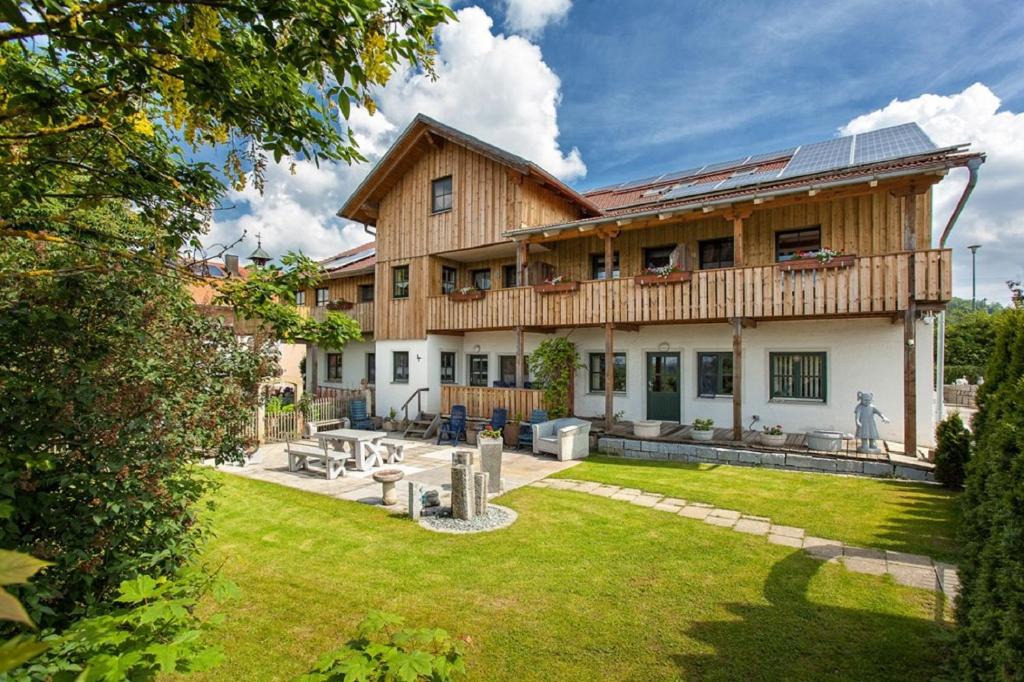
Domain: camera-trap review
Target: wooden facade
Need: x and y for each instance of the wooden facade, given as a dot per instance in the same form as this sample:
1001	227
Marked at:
481	400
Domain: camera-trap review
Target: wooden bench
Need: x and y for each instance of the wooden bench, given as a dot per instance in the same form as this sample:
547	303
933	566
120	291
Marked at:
302	454
322	425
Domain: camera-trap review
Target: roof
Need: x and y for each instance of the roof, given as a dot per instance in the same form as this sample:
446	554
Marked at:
879	154
259	254
204	291
358	260
418	138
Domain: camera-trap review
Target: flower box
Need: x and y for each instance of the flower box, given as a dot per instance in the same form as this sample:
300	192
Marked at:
815	264
466	295
339	305
651	280
559	288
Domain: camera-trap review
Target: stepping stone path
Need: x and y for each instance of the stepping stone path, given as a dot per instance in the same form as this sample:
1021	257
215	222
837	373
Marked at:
914	570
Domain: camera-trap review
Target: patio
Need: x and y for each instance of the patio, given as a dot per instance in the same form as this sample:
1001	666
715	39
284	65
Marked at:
424	462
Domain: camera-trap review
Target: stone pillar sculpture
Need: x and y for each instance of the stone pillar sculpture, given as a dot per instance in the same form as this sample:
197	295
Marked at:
480	492
463	503
415	500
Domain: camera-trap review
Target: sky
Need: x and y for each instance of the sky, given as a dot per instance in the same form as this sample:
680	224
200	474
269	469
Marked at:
598	92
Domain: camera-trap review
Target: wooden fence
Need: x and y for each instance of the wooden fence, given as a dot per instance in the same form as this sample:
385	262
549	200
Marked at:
960	395
281	426
480	400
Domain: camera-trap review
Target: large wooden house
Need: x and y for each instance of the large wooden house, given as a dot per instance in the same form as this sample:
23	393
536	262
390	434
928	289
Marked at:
777	285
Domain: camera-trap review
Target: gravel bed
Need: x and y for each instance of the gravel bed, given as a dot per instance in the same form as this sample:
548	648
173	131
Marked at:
496	517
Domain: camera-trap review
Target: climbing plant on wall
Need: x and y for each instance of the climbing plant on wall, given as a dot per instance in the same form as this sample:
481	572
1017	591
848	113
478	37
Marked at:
553	366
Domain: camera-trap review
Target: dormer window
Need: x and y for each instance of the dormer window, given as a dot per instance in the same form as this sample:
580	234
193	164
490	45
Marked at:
441	193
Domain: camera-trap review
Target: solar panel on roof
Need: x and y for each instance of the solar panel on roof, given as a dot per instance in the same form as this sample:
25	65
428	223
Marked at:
819	157
891	143
636	183
342	262
679	175
723	165
771	156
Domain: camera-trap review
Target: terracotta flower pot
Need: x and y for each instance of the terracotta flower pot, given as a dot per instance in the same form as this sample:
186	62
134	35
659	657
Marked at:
797	264
511	434
466	296
560	288
651	280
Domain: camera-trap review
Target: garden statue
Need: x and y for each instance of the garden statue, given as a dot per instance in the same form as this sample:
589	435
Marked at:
864	414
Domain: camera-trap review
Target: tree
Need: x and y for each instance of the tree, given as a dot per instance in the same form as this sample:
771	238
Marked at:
990	609
952	452
970	340
553	366
113	386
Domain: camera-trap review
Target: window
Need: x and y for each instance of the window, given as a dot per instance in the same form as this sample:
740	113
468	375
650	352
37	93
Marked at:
508	276
658	256
597	373
447	367
597	266
400	281
791	243
371	368
365	293
400	367
441	191
797	376
477	370
334	366
714	374
482	279
449	279
322	296
300	298
716	253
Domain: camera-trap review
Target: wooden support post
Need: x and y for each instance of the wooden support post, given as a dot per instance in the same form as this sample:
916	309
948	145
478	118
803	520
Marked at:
520	358
522	262
737	217
312	369
737	379
910	328
609	340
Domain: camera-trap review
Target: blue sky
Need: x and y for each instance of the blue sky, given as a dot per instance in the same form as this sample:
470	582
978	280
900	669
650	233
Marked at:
598	92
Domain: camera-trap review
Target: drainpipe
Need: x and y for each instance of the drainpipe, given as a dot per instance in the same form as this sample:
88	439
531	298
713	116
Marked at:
940	337
366	229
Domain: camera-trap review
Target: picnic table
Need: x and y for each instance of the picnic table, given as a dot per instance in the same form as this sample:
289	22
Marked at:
365	445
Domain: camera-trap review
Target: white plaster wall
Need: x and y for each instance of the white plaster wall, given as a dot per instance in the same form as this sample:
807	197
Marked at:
353	365
390	394
863	354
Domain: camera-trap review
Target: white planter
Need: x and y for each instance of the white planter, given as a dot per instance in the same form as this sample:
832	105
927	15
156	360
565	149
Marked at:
647	428
773	440
490	461
826	441
702	435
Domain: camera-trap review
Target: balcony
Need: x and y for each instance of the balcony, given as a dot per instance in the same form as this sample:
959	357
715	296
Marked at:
870	285
360	312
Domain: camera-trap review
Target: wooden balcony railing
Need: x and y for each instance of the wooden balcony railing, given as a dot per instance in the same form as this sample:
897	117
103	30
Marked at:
871	285
360	312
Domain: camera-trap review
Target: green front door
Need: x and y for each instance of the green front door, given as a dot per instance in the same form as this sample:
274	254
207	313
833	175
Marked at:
663	386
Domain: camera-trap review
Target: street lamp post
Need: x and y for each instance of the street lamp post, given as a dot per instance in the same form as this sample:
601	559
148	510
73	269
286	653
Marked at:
974	288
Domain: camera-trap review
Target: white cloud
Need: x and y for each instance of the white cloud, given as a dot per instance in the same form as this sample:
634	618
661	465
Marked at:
994	216
532	16
492	86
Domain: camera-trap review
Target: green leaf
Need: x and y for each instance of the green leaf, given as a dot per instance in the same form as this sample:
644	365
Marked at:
18	650
165	655
137	590
11	609
16	567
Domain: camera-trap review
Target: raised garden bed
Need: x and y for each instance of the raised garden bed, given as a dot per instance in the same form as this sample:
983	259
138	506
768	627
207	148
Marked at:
560	288
466	296
815	264
659	280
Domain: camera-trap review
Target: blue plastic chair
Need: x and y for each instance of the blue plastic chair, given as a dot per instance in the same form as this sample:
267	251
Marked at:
526	430
454	428
357	413
499	417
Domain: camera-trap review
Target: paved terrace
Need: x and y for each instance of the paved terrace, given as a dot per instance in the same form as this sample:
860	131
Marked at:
424	462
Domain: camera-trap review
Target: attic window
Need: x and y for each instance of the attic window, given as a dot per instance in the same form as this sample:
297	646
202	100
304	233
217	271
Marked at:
441	193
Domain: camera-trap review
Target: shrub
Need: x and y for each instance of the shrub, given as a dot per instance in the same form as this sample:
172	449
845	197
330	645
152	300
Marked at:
990	610
954	448
971	372
384	652
703	424
552	366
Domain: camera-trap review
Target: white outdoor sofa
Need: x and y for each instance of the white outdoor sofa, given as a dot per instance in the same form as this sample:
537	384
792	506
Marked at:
566	438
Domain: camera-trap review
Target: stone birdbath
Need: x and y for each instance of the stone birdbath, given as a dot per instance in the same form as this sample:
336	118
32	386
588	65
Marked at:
387	478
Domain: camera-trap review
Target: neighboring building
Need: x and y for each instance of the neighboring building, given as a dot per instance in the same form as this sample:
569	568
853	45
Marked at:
739	328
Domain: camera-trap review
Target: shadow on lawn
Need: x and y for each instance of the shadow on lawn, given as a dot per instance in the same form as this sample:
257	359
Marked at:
794	638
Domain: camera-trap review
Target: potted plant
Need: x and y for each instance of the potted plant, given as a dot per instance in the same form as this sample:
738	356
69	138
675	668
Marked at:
703	429
667	274
466	294
389	421
821	259
490	442
556	285
773	436
340	304
511	431
647	428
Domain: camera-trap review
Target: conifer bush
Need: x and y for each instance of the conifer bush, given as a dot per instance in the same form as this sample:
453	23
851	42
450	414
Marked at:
953	451
990	609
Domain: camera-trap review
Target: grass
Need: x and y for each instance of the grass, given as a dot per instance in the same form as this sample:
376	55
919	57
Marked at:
884	514
580	587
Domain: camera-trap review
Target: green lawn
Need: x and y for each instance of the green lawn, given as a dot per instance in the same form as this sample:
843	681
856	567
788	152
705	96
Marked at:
580	587
885	514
